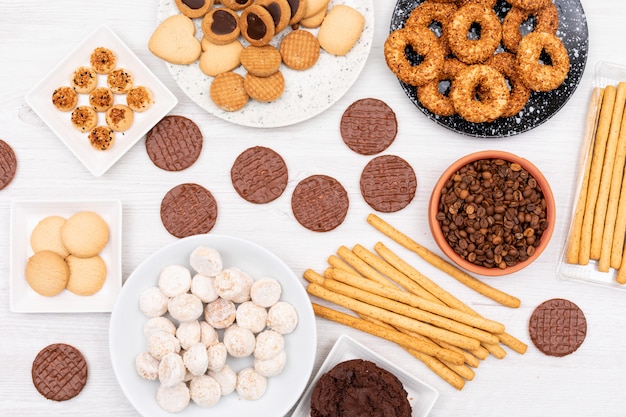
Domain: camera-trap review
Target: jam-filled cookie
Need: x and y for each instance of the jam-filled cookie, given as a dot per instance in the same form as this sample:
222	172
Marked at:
103	60
101	137
65	98
84	80
221	26
237	4
280	11
119	117
84	118
139	98
101	99
297	7
120	81
257	25
194	8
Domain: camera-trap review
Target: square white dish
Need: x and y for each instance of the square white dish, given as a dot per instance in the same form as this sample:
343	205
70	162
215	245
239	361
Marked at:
25	214
40	100
422	396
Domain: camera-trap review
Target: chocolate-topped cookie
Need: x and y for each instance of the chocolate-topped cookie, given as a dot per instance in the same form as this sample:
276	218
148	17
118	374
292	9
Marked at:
368	126
259	175
188	209
174	143
320	203
359	387
557	327
8	164
59	372
388	183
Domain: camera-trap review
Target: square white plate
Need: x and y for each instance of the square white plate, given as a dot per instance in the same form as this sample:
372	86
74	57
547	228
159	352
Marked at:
421	396
25	215
40	99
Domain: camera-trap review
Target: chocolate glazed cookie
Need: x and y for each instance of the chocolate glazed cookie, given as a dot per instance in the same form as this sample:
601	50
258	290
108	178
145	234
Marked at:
8	164
174	143
320	203
188	209
59	372
388	183
368	126
557	327
259	175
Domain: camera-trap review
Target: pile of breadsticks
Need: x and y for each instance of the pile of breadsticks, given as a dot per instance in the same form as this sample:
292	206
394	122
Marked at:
394	301
599	222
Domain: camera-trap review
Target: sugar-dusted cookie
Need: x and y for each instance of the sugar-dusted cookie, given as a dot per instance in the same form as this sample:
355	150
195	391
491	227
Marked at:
47	273
47	236
174	40
84	79
120	80
65	98
265	89
216	59
257	25
87	275
101	99
101	137
261	61
85	234
139	98
119	118
340	30
221	25
194	8
103	60
300	50
84	118
228	91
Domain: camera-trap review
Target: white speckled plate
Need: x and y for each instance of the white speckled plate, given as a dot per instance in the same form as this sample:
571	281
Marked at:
307	93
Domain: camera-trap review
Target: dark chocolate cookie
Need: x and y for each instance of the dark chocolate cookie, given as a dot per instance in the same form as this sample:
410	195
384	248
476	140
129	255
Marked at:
59	372
174	143
359	388
388	183
188	209
320	203
8	164
368	126
259	175
557	327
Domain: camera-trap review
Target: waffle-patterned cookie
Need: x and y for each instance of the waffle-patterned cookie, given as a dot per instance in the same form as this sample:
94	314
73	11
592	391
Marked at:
259	175
557	327
228	91
265	89
8	164
368	126
59	372
188	209
320	203
261	61
174	143
388	183
300	49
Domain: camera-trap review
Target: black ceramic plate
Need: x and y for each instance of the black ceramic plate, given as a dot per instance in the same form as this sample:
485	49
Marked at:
541	106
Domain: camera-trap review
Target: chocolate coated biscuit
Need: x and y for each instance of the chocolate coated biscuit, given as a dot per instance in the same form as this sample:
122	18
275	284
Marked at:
188	209
259	175
557	327
8	164
174	143
320	203
368	126
59	372
388	183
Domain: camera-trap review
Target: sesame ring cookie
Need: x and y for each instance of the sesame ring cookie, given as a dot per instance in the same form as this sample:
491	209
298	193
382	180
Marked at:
430	95
103	60
65	98
536	75
467	49
547	20
507	64
492	86
430	14
425	44
530	5
101	137
194	8
84	80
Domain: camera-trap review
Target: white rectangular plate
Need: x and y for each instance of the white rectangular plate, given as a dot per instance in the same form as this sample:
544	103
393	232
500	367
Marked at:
40	99
25	215
421	396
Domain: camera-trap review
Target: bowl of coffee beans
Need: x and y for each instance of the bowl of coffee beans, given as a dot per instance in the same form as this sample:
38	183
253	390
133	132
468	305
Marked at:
492	213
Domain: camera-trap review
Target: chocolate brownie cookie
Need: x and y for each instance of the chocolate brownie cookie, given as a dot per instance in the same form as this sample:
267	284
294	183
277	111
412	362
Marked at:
59	372
259	175
557	327
174	143
388	183
359	388
188	209
320	203
368	126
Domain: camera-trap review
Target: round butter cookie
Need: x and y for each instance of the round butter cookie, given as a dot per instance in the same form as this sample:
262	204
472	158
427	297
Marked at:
119	118
47	273
340	29
8	164
139	98
103	60
85	234
47	236
64	98
228	92
101	99
300	50
87	275
84	118
120	81
261	61
194	8
257	25
221	26
101	137
59	372
84	80
265	89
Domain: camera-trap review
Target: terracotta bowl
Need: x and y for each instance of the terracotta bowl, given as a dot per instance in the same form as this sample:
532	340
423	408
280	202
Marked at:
444	244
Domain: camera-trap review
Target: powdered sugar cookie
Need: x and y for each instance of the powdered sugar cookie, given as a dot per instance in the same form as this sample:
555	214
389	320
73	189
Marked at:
208	335
251	316
206	261
239	341
152	302
147	366
205	391
271	367
250	384
196	359
185	307
217	356
171	370
162	343
265	292
174	280
173	399
159	324
188	333
282	317
269	343
204	287
220	313
233	284
226	377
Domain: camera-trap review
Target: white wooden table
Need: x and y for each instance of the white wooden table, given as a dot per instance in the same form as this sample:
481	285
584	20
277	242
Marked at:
36	34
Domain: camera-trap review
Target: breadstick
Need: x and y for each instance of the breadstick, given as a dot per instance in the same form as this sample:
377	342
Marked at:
396	320
606	179
593	113
361	266
440	369
415	301
515	344
387	334
621	272
618	251
337	262
443	265
597	161
411	312
312	276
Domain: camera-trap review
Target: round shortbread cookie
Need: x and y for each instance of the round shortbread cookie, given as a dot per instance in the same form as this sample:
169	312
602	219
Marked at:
47	236
59	372
300	50
47	273
340	29
85	234
87	275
